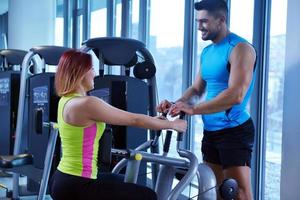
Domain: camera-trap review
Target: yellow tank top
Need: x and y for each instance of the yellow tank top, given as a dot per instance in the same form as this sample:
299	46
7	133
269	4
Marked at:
79	144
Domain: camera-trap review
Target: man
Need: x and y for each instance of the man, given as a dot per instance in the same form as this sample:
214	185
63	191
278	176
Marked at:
226	75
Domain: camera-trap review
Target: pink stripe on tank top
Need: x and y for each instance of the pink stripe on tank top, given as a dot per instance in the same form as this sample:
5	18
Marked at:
89	135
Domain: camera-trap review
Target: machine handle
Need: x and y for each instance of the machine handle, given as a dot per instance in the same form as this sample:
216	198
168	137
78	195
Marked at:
38	121
180	135
167	141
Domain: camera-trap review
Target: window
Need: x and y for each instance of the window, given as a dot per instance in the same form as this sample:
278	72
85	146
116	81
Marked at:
275	62
59	23
196	120
118	23
166	46
134	29
98	18
241	23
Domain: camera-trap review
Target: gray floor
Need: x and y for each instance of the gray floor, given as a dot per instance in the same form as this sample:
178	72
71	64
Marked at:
7	182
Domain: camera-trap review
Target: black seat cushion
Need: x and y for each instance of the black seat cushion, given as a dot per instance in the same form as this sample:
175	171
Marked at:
15	161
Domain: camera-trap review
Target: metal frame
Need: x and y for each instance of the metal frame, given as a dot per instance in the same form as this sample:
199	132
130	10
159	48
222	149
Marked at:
261	30
228	16
23	99
167	170
66	22
111	20
144	21
48	160
86	29
188	59
75	24
125	24
126	18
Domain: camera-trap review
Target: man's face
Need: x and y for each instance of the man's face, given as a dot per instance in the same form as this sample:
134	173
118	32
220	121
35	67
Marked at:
209	25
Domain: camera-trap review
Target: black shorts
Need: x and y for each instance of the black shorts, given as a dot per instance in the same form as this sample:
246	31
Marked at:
229	147
64	186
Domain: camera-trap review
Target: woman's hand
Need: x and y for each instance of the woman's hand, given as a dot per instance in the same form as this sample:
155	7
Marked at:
179	125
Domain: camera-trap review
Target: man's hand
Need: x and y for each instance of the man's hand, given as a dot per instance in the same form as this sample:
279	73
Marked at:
164	106
181	107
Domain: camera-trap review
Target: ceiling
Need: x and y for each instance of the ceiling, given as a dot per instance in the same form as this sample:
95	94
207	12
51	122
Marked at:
3	6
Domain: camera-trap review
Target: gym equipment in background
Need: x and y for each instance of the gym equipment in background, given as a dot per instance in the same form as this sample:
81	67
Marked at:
10	61
36	93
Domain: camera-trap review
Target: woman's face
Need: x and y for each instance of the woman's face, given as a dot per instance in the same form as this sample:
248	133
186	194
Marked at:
88	80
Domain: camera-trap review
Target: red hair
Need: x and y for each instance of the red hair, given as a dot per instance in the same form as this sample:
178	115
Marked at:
72	66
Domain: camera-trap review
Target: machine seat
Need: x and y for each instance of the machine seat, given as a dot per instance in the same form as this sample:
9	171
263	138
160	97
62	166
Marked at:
16	161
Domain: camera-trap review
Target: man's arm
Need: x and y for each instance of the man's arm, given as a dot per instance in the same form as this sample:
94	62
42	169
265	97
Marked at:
196	89
242	61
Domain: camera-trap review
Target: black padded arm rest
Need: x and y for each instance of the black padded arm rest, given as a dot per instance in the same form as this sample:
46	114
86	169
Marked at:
104	151
13	56
115	50
51	54
15	161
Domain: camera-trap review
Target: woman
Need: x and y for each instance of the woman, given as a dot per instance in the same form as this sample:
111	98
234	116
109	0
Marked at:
81	121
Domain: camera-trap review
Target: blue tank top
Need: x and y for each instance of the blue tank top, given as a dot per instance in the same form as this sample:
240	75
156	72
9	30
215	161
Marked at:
215	71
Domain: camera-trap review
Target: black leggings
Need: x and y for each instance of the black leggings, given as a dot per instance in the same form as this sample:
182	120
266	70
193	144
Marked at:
64	186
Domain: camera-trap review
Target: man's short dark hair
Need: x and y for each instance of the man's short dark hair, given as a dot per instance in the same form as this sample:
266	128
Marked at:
212	6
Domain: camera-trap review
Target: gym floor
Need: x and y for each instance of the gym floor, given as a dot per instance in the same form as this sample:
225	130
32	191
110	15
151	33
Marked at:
6	180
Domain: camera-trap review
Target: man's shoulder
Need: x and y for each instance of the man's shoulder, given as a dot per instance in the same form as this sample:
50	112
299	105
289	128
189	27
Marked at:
235	35
234	39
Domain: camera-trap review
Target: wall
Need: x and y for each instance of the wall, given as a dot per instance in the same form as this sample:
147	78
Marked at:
290	174
30	23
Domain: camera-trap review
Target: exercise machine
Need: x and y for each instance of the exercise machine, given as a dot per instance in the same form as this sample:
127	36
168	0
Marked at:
186	165
11	59
163	186
37	96
136	77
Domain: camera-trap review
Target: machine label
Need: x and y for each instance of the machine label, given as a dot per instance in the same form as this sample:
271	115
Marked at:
40	95
4	91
